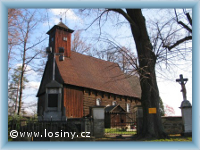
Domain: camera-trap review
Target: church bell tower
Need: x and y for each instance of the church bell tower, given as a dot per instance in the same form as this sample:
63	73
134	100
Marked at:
53	108
60	39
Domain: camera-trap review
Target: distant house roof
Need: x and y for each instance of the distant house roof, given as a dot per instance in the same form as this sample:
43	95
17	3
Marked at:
114	109
89	72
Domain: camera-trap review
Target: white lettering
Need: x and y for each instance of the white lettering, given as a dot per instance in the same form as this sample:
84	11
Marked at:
56	134
73	135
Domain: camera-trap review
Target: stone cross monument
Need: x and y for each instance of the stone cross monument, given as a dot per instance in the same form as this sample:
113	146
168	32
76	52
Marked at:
182	82
186	108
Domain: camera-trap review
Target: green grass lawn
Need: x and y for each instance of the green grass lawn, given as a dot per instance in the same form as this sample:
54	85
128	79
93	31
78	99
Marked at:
112	133
118	131
174	138
181	139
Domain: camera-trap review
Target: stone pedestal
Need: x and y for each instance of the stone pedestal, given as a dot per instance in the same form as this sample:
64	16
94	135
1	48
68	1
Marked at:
88	125
186	110
52	116
98	116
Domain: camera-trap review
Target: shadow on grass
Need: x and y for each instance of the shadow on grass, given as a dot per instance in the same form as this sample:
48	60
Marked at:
171	138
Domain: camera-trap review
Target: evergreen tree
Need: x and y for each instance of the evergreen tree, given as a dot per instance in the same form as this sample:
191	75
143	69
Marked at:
161	107
13	90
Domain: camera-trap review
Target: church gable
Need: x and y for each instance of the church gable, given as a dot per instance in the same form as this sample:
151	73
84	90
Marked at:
114	109
48	76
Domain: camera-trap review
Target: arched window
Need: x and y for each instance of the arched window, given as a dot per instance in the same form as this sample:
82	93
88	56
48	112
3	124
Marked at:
128	107
98	102
114	103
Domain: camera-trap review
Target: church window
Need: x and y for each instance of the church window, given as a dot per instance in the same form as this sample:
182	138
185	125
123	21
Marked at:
114	103
64	38
128	107
53	100
98	101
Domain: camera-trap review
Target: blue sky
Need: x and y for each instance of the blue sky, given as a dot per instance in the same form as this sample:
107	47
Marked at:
169	89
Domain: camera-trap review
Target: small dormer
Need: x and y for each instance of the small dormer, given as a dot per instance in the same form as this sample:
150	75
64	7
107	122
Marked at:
60	36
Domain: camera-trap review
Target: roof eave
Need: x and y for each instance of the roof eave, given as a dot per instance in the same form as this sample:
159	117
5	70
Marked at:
56	26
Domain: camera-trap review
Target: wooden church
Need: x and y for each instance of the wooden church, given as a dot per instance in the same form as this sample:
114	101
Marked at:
74	82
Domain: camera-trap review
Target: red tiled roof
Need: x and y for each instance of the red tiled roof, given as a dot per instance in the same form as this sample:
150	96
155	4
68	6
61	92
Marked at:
89	72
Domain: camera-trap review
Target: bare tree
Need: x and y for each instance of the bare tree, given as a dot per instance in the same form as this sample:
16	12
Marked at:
119	54
170	36
25	25
168	110
147	58
79	44
13	33
185	25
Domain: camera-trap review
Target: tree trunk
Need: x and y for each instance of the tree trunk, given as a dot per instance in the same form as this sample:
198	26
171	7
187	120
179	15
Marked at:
152	125
22	74
21	83
17	96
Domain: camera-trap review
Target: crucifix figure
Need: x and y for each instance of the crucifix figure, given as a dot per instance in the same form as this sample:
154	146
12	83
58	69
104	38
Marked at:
182	82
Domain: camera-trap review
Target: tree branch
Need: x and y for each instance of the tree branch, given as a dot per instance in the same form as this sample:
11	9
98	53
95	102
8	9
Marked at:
183	24
128	18
178	42
189	18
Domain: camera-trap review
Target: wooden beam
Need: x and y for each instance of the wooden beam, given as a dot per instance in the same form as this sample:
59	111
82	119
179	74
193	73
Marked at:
102	94
108	95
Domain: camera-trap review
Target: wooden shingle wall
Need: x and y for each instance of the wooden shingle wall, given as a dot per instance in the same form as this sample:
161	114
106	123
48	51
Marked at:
90	96
73	101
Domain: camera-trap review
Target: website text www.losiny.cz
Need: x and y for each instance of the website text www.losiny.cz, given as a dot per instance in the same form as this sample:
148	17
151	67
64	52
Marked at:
15	134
